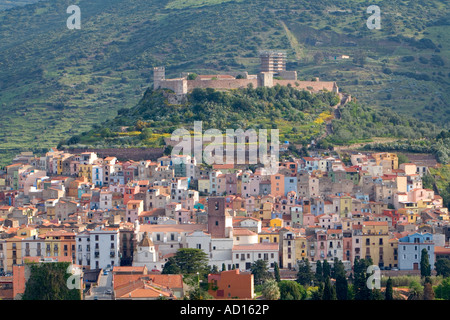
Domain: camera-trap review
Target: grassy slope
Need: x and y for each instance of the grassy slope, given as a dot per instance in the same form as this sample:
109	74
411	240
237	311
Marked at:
57	82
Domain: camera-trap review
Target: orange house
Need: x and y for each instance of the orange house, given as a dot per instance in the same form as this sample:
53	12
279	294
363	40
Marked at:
231	285
277	185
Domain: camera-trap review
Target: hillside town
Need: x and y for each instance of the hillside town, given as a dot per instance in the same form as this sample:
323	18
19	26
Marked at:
119	222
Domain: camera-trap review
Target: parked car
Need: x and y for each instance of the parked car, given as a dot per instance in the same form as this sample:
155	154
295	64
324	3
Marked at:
109	291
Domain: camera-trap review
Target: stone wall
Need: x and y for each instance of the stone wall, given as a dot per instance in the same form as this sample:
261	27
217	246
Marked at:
123	154
307	85
221	84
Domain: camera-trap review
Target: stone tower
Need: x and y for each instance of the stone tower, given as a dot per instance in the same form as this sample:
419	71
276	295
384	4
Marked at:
265	79
159	74
216	217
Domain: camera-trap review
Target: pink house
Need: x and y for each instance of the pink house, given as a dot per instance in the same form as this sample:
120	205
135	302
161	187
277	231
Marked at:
418	194
134	209
221	184
251	186
183	216
231	183
322	246
308	219
250	204
74	168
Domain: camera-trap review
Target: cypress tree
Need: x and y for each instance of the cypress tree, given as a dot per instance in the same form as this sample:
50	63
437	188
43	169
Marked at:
389	294
329	293
319	271
276	271
425	267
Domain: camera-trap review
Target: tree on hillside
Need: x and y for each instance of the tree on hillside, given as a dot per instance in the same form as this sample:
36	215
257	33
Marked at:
48	281
360	288
326	269
415	291
319	271
171	267
443	290
337	269
270	290
442	267
191	260
145	134
341	287
291	290
425	267
428	293
304	274
260	271
192	76
329	292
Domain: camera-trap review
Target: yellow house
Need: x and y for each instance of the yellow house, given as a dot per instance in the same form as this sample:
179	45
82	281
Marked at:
301	248
345	205
391	256
13	252
375	241
239	185
386	158
27	232
59	244
204	185
424	204
269	235
410	214
85	170
276	223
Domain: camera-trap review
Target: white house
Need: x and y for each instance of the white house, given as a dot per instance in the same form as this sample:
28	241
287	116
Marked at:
245	255
99	248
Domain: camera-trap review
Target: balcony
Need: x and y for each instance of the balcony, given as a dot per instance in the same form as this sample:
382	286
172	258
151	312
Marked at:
112	254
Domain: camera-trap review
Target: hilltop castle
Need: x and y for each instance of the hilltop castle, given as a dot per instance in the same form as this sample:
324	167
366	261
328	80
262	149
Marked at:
273	72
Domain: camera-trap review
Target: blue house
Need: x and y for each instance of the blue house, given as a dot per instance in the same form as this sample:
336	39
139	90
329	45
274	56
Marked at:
410	250
290	184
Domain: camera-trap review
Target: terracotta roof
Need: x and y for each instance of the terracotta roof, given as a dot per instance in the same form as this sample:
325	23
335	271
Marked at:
242	232
441	250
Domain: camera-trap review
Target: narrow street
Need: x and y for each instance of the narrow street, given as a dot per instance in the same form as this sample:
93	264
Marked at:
100	292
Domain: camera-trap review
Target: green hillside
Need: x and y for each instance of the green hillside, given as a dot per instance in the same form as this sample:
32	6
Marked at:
8	4
56	83
299	115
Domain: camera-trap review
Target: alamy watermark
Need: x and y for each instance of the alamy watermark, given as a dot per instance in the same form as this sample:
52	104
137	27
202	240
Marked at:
374	280
74	281
74	21
231	149
374	21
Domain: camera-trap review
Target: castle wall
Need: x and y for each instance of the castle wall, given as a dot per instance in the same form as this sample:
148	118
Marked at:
220	84
179	86
315	85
